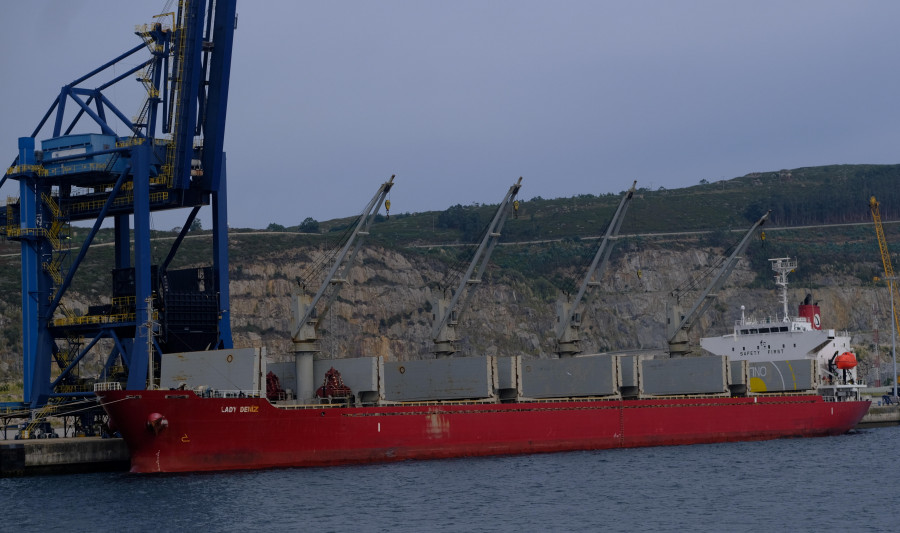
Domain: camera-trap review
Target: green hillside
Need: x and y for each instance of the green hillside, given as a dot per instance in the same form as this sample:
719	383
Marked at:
564	227
819	214
803	196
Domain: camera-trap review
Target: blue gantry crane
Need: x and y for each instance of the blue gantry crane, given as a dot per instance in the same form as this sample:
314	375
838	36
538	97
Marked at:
171	158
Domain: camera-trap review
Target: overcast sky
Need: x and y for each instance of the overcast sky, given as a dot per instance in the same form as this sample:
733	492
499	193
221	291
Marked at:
460	98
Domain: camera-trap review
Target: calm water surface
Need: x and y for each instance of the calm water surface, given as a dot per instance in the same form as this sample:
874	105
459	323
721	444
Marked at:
846	483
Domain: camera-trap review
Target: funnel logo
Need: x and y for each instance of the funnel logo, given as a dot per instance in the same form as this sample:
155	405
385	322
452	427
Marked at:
817	322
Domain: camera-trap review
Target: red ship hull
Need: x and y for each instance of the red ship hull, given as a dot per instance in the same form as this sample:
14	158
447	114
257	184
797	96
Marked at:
197	434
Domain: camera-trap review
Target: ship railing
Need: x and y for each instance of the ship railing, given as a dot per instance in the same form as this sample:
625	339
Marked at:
807	392
383	403
570	399
841	392
769	320
697	396
836	380
236	393
438	403
442	403
74	388
107	385
308	406
752	321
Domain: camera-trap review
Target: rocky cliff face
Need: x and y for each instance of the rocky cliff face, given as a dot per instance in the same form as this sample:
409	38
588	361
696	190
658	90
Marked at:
385	309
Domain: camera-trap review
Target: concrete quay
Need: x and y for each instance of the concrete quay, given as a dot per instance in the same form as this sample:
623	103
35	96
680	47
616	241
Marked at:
881	415
62	456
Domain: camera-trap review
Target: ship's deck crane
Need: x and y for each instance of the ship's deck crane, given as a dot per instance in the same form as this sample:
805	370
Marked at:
172	157
448	312
568	335
305	316
888	272
680	325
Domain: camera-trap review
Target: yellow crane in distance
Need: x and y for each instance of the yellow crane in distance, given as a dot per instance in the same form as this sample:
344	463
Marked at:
885	259
888	270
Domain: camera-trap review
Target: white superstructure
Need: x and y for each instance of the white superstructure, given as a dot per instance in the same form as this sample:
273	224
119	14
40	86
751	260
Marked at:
786	337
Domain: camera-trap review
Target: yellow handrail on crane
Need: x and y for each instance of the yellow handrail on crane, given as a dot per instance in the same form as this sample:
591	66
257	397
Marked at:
886	259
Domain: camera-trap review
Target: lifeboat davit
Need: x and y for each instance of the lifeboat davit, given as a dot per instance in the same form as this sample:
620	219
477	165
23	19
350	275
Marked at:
845	361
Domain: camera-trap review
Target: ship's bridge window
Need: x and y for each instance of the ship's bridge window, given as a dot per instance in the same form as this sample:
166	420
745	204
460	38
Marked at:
763	330
753	331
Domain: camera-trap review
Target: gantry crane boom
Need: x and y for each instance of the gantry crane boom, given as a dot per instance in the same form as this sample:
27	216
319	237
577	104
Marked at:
447	314
171	158
678	342
886	260
567	333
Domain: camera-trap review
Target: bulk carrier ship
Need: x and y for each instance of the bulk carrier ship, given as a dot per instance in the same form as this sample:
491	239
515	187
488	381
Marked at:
180	431
221	408
368	409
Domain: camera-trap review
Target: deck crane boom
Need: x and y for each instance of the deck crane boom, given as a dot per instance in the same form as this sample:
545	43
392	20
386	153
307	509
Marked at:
888	271
567	315
447	313
680	325
304	314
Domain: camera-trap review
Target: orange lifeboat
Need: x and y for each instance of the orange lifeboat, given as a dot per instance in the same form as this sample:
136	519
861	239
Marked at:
845	361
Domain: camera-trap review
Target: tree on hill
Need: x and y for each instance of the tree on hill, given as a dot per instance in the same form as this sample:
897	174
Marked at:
466	220
309	225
